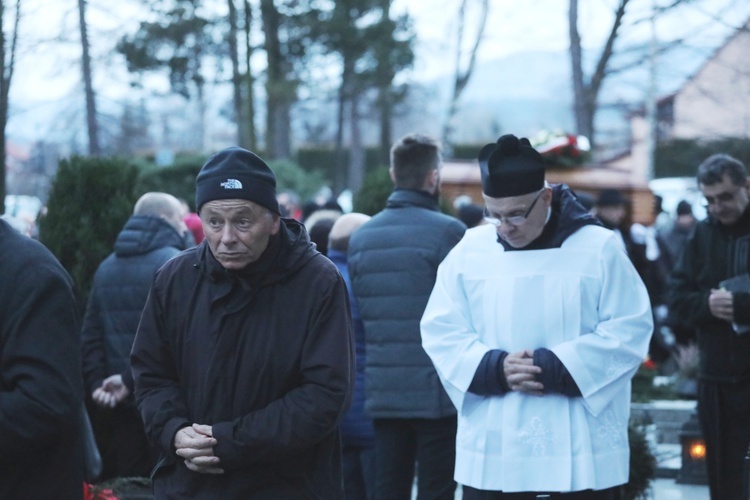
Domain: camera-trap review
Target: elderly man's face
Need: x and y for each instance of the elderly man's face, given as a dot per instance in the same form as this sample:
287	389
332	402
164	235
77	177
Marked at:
533	205
237	231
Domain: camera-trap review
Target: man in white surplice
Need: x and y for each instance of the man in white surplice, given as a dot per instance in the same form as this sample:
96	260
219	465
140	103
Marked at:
536	325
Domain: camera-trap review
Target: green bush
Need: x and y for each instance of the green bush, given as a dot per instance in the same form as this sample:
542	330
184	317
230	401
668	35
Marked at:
681	157
467	151
322	160
290	176
642	465
89	202
375	190
177	179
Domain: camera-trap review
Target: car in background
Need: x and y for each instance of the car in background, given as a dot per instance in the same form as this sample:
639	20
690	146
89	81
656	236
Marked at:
674	189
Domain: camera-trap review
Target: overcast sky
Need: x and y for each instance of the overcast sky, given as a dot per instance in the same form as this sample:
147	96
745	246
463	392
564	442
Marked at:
48	75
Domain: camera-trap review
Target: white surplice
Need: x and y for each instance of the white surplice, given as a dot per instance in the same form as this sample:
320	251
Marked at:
586	303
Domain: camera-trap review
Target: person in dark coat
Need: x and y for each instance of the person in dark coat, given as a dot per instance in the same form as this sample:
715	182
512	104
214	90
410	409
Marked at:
393	261
357	433
701	294
41	390
243	361
150	237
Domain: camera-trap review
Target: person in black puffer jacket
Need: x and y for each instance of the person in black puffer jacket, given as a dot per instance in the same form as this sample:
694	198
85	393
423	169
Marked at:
393	261
151	236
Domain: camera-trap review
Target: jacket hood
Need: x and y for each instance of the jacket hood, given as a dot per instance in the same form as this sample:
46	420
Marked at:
567	216
143	234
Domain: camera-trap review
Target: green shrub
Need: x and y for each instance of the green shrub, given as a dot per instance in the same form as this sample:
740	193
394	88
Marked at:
177	179
642	465
372	196
467	151
290	176
89	202
681	157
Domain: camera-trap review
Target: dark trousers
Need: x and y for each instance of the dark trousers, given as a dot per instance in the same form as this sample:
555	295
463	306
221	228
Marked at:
608	494
359	472
724	414
123	444
402	443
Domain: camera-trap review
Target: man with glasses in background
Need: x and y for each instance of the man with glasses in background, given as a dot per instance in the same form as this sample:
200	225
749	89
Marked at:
710	288
536	325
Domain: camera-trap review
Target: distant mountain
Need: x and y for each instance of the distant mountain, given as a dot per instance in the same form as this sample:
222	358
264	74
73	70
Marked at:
527	92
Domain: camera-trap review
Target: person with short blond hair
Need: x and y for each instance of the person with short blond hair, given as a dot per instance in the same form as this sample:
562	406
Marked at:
151	236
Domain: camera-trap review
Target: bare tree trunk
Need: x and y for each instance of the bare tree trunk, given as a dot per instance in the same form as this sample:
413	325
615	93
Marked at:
249	81
586	95
7	65
91	123
357	150
278	89
461	78
385	77
236	79
340	154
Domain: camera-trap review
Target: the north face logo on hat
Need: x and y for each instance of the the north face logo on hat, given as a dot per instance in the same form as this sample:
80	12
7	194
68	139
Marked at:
231	184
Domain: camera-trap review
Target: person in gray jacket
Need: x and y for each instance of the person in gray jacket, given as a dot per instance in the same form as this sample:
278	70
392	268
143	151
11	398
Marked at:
152	235
393	261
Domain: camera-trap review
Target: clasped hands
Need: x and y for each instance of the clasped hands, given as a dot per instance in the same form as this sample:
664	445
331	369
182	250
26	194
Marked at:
721	304
196	445
520	372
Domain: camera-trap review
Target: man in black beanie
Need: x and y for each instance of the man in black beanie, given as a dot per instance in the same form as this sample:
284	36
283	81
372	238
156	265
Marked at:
536	324
243	360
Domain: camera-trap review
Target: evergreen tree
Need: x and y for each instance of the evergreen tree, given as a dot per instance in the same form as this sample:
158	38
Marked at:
90	200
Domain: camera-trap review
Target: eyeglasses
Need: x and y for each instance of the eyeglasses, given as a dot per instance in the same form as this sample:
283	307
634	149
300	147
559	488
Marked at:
514	220
720	199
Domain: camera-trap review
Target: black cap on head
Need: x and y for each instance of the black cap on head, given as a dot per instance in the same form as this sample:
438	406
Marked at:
684	208
510	167
610	198
236	173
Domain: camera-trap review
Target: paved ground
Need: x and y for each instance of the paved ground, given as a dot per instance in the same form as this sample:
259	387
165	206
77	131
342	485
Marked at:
662	488
667	489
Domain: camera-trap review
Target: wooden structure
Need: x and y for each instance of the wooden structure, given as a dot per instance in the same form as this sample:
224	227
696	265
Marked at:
463	178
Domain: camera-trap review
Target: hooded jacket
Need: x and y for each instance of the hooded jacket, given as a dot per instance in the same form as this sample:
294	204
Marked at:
120	288
263	355
393	260
40	374
713	253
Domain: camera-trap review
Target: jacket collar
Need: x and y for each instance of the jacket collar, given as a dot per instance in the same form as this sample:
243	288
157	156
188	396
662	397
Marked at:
402	198
739	228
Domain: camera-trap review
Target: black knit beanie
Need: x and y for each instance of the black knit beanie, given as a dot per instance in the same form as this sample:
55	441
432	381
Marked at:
510	167
236	173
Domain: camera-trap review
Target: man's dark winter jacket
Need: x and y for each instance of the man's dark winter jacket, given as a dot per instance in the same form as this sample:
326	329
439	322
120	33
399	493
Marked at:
713	253
40	374
393	261
121	285
263	355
